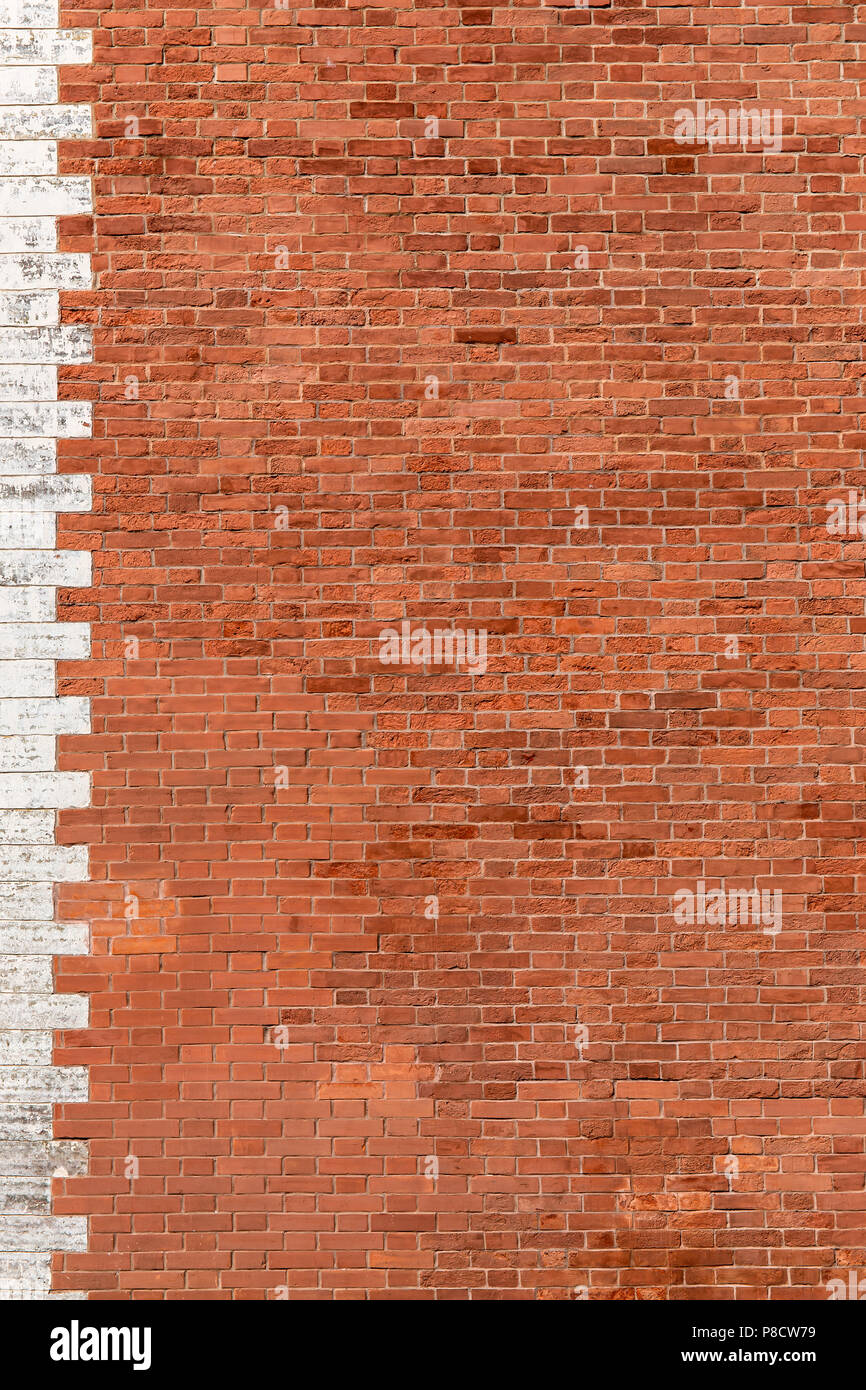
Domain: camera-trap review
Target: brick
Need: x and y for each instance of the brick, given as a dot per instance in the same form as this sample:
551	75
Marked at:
547	372
32	419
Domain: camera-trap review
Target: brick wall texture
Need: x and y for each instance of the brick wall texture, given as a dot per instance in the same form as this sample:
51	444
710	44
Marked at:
525	960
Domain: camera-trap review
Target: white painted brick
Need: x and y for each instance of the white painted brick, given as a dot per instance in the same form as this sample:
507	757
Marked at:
64	1011
25	530
45	46
43	1233
29	308
32	342
61	419
28	157
24	1272
26	975
33	901
60	789
38	122
26	753
58	863
25	1194
27	605
57	641
21	678
26	827
19	1046
46	270
44	197
31	1122
43	1159
34	86
70	714
44	939
28	233
41	14
27	455
27	383
69	569
58	1084
28	1295
63	492
68	343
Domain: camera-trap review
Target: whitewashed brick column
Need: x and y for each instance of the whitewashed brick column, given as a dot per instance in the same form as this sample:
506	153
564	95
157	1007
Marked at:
32	343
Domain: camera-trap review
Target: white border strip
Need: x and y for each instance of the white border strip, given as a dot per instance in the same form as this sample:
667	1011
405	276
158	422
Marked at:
32	343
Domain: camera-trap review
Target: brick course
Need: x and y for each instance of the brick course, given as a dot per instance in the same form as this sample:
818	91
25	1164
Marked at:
427	316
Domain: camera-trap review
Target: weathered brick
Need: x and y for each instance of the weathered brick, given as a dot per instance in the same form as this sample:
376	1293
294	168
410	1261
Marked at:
32	419
429	317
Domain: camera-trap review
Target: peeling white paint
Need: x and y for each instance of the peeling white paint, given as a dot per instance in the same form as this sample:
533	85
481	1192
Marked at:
32	342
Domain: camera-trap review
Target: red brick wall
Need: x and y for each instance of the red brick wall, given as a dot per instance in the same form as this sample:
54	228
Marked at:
398	415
